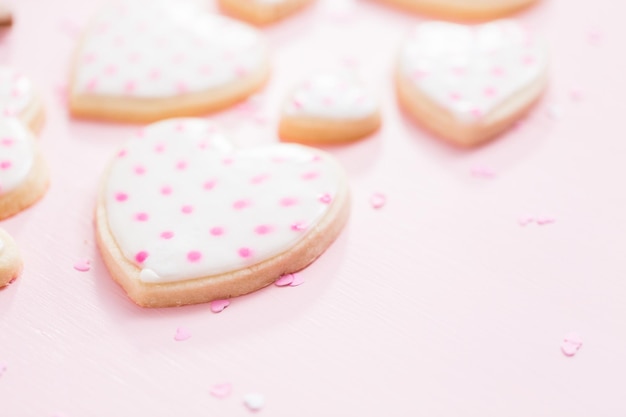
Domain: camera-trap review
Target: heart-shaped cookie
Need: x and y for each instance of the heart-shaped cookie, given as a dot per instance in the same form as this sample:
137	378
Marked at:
184	218
10	259
145	61
23	172
262	12
329	108
463	9
470	83
18	98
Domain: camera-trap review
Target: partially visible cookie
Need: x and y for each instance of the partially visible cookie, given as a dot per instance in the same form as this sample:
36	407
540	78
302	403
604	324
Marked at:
146	61
468	84
262	12
329	108
6	16
463	9
183	217
19	98
10	259
23	172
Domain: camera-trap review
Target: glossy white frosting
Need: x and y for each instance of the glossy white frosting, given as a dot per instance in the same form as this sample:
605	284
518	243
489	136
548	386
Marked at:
17	151
182	203
471	70
331	96
16	92
163	48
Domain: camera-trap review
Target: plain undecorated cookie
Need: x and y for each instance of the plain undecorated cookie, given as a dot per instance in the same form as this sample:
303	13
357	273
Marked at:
10	259
262	12
329	108
146	61
468	84
463	9
23	171
183	217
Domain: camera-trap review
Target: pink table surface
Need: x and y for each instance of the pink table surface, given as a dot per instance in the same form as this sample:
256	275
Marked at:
438	304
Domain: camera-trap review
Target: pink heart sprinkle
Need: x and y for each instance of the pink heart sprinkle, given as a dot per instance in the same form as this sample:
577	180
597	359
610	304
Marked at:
378	200
542	221
182	334
297	280
284	280
571	344
222	390
83	265
217	306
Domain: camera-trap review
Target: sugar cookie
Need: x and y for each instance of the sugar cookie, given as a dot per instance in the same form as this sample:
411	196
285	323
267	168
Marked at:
6	16
145	61
463	9
18	98
184	218
329	108
261	12
23	172
468	84
10	259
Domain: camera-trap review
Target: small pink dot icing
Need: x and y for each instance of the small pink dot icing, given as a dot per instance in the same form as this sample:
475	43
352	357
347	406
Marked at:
215	219
121	197
156	56
499	58
333	96
17	150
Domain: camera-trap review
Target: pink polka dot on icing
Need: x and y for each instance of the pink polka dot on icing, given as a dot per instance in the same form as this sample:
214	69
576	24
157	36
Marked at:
121	197
121	153
181	165
7	142
5	165
326	198
141	217
240	204
217	231
159	148
187	209
167	235
245	252
263	229
129	87
490	91
258	179
141	256
140	170
310	175
209	185
288	202
298	226
166	190
497	71
194	256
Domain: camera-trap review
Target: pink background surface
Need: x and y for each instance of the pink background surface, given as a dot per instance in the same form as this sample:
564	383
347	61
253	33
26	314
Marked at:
438	304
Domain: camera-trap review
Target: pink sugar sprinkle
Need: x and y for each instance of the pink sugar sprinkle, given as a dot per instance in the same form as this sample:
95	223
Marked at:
121	197
263	229
140	257
240	204
166	190
141	217
542	221
288	202
297	280
284	280
140	170
326	198
298	226
167	235
217	231
245	252
310	175
378	200
571	344
194	256
182	334
221	390
83	265
217	306
187	209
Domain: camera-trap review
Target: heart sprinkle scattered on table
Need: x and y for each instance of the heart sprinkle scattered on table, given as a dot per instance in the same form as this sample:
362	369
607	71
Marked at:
571	344
83	265
221	390
218	306
378	200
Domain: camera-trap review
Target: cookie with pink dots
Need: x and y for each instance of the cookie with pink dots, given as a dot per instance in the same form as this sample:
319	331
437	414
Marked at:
23	172
468	84
10	259
143	61
183	217
329	108
262	12
19	98
462	9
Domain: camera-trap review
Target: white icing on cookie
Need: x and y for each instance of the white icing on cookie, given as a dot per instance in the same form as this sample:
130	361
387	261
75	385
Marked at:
181	203
16	154
163	49
471	70
331	96
16	92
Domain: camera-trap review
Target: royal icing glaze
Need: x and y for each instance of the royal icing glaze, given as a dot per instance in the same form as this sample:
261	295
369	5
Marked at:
164	48
471	70
16	154
331	96
16	92
182	203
